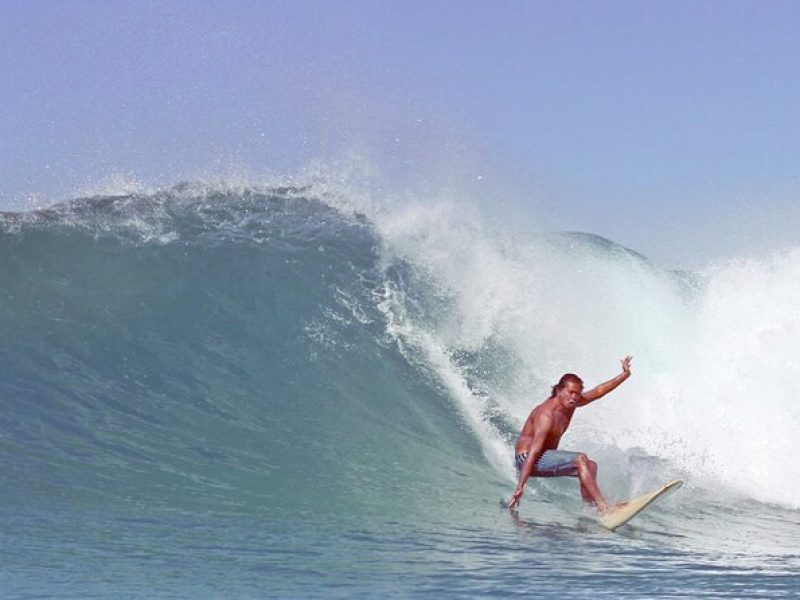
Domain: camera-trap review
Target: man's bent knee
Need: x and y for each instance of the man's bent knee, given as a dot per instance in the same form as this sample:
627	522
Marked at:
584	463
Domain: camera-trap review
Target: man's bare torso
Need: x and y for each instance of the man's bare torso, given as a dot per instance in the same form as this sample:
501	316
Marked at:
561	418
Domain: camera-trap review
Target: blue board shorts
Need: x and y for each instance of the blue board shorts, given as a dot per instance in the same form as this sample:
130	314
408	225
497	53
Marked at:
552	463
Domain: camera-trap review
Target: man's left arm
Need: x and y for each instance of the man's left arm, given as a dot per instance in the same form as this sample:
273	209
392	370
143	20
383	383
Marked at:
612	384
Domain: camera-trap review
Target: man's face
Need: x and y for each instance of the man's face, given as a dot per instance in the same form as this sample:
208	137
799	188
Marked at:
570	394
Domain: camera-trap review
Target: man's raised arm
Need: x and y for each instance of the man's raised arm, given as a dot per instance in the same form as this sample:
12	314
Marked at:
612	384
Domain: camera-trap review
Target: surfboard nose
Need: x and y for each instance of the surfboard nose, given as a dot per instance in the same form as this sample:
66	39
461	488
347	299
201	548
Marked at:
625	511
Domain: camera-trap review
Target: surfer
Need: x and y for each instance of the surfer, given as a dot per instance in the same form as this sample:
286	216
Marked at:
537	451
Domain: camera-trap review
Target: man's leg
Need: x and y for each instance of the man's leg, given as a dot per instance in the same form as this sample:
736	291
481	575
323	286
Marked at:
587	497
562	463
587	475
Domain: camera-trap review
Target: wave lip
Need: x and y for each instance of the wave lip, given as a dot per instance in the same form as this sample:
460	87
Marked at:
186	211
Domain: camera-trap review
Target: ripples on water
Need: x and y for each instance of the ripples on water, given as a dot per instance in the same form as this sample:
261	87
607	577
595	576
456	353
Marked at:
542	551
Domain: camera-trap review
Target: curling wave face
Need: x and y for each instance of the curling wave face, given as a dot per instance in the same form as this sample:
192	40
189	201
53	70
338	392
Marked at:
263	350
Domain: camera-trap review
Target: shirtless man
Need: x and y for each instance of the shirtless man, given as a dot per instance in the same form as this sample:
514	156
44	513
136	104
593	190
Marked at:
536	452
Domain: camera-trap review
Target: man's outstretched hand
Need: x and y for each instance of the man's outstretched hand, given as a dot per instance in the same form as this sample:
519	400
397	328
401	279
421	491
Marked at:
515	498
626	364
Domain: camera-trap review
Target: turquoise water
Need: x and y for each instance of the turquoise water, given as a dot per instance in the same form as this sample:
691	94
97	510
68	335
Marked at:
207	393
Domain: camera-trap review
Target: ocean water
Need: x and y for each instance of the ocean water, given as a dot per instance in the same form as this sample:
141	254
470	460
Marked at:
212	392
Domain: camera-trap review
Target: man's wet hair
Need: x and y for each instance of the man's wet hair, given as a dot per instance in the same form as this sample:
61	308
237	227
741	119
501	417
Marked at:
565	379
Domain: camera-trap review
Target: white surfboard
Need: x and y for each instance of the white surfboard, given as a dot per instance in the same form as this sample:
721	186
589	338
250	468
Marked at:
621	513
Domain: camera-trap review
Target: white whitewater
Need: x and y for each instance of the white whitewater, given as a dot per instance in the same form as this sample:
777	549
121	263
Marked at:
716	386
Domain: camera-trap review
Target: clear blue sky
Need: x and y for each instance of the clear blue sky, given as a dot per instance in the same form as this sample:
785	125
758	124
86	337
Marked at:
671	127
